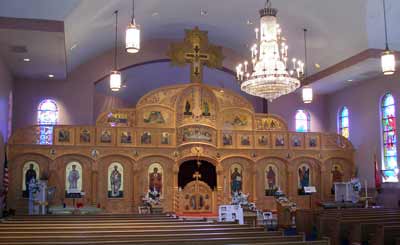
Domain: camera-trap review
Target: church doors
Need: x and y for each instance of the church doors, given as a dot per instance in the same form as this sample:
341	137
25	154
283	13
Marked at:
197	180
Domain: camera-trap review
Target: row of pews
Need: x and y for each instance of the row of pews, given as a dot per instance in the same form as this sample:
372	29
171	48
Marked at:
136	229
360	226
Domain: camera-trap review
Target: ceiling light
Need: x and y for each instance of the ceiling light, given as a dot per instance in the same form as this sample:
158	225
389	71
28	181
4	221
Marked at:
132	35
317	65
115	76
350	80
154	14
27	59
51	75
203	12
268	75
388	60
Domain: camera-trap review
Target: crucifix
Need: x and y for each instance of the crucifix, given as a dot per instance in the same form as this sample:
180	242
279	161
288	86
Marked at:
198	52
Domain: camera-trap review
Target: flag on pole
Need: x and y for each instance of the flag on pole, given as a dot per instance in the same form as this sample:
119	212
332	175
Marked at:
378	175
5	183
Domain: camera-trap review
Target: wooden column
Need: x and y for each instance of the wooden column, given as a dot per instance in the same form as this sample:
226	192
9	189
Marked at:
94	187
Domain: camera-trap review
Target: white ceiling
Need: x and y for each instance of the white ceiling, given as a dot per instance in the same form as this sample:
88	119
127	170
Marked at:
337	29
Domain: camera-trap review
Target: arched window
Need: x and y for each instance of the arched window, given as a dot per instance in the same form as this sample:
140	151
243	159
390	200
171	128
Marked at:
302	121
389	139
344	122
47	117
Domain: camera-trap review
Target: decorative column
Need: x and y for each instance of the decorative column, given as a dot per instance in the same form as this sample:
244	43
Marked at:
94	187
175	188
94	183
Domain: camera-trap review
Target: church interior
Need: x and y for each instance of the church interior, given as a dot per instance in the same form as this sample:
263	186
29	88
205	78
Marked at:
158	122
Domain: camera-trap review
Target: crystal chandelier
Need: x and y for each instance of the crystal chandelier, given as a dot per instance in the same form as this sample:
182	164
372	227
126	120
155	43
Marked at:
268	75
132	34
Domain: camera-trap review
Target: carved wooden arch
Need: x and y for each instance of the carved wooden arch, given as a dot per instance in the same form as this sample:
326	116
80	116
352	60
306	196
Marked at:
203	158
15	168
316	178
247	173
58	179
281	164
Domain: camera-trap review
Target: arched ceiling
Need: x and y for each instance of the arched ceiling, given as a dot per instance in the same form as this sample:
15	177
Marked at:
337	29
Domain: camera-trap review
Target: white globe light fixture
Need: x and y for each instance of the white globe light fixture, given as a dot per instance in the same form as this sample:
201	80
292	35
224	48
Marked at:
132	34
267	74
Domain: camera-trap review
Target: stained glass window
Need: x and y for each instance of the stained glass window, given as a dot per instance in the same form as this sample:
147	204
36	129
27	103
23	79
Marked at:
390	168
302	121
46	118
344	122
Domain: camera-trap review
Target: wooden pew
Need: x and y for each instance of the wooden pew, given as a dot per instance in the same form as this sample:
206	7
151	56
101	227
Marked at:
386	235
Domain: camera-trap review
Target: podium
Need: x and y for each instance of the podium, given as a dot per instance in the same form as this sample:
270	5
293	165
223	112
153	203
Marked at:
284	214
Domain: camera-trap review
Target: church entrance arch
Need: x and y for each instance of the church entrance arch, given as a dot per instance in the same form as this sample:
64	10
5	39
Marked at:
197	180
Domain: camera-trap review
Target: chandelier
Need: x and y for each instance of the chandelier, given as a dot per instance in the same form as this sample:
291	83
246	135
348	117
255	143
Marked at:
268	75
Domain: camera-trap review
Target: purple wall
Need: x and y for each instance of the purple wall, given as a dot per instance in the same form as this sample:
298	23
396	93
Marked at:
363	101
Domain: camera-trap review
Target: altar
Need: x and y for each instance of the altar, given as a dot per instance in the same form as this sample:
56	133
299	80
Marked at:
192	143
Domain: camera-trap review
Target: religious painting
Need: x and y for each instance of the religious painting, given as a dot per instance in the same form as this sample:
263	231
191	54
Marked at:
64	136
84	136
312	141
30	173
145	138
262	140
227	139
271	179
236	172
126	137
155	173
106	136
188	109
337	176
73	179
165	138
280	140
235	120
296	140
117	119
206	109
245	140
154	117
115	180
270	123
197	134
304	178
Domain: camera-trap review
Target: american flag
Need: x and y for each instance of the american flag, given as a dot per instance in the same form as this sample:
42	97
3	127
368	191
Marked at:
5	183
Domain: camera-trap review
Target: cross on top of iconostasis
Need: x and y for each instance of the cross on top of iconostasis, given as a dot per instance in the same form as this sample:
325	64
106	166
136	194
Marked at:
196	51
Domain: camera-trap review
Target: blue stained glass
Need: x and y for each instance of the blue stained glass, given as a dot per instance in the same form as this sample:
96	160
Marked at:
47	117
389	162
344	122
302	121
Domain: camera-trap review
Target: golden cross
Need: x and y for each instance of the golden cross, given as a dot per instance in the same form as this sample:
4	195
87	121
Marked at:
197	175
196	50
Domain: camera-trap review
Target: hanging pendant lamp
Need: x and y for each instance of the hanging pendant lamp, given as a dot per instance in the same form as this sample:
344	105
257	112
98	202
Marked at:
115	76
388	60
132	35
307	91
